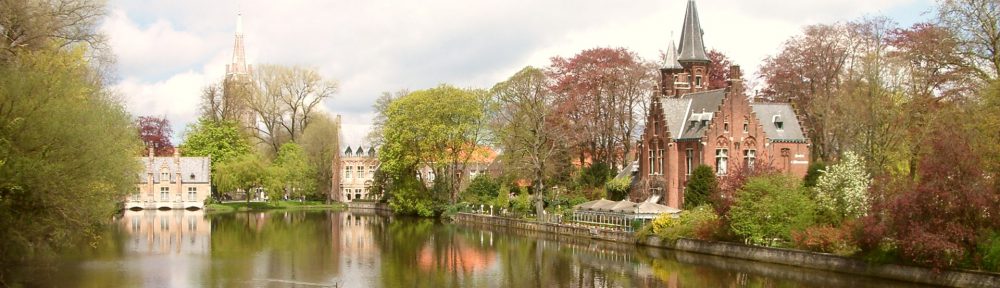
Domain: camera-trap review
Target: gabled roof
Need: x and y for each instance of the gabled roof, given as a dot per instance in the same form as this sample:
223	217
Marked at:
199	167
692	43
699	107
791	130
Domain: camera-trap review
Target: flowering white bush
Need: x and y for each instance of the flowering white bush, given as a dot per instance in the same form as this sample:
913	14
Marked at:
843	188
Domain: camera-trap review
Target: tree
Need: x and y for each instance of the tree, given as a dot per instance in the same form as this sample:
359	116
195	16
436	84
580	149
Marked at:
718	70
937	220
700	186
602	94
769	208
976	24
441	128
526	127
321	142
842	189
67	154
34	25
812	174
219	141
284	100
155	132
381	107
807	73
247	173
295	174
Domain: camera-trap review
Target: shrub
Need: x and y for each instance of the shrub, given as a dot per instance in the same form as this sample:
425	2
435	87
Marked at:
522	203
989	250
768	208
701	185
842	190
595	175
723	198
827	239
617	189
684	226
503	198
409	198
482	188
812	174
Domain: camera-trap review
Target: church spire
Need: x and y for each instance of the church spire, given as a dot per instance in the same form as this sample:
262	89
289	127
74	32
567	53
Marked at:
239	64
692	44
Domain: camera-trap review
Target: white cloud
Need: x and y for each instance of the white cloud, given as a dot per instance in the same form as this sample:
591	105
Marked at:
170	48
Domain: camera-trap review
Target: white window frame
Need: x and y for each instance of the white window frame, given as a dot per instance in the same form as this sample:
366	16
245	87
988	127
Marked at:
721	161
164	193
192	193
749	158
348	172
690	160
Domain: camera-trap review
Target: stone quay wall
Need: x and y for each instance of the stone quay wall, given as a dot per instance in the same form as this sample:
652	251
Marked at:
798	258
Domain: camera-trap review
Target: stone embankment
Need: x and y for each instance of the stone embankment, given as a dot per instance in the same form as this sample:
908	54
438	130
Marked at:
798	258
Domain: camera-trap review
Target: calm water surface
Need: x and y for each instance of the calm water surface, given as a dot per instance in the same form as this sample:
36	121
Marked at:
364	249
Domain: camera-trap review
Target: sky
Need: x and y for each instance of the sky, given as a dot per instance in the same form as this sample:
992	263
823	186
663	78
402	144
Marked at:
168	50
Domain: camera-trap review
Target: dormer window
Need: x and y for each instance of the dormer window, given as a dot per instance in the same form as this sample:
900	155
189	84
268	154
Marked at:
192	176
697	81
164	176
778	123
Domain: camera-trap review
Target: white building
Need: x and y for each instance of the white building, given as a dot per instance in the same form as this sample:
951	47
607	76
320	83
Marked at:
357	173
172	182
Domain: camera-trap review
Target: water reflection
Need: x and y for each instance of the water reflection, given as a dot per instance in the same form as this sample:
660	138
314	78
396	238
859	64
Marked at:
364	249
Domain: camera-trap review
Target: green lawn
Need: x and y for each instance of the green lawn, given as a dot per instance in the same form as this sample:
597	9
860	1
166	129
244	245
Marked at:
258	206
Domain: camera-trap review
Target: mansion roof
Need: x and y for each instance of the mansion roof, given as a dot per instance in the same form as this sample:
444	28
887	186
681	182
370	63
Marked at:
192	169
688	116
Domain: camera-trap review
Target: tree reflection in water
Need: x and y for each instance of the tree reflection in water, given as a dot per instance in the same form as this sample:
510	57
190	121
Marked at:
366	249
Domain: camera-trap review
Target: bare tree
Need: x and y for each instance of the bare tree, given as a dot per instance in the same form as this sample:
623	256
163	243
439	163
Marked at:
283	99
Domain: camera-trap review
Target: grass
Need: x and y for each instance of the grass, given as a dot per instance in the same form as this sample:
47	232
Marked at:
277	205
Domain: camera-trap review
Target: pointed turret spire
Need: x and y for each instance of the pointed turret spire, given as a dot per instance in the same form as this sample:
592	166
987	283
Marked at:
239	64
692	44
670	61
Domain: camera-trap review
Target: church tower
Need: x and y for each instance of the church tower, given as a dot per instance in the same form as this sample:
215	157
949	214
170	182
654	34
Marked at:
237	88
685	70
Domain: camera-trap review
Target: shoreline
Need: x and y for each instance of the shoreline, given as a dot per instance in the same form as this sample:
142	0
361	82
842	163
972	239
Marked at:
789	257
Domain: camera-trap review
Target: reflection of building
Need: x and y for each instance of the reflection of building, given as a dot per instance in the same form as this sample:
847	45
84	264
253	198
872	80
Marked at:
357	171
167	231
689	125
172	182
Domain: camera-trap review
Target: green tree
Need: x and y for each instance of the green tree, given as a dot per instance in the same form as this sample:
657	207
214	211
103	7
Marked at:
220	141
769	208
842	189
700	186
441	128
67	154
294	171
618	188
482	189
321	142
246	174
812	174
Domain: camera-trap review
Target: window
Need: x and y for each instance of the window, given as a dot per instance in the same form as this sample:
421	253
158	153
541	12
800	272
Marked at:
361	171
660	159
721	161
697	81
371	171
347	173
192	193
192	176
690	160
778	123
164	176
164	193
650	161
725	126
749	158
746	127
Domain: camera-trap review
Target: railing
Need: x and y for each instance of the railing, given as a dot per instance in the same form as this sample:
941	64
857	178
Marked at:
620	224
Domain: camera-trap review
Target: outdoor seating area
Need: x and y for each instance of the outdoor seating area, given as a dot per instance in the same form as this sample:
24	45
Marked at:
625	215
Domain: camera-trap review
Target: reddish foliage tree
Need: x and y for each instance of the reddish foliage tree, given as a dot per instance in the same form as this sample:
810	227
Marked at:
155	133
718	70
938	221
601	93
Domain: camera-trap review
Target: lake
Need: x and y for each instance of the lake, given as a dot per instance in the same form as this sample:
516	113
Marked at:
367	249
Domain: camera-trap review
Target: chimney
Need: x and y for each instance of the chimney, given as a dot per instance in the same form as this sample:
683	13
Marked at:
151	154
735	81
177	155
